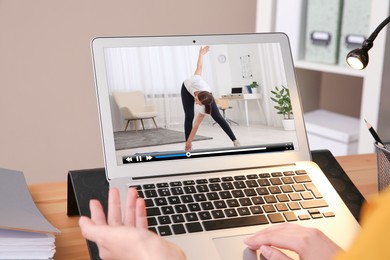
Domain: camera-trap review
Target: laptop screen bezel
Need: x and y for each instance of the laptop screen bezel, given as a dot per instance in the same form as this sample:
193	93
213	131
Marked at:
113	170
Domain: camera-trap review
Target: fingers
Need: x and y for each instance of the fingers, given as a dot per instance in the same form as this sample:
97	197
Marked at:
114	208
130	210
88	228
141	221
97	213
271	253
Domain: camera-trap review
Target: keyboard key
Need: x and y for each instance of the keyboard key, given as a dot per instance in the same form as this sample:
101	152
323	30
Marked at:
274	190
202	188
189	189
225	194
162	185
258	200
307	195
227	178
294	196
191	217
328	214
281	207
250	192
264	182
207	205
256	210
243	211
177	191
270	199
264	175
276	218
235	222
300	172
245	202
251	183
164	231
212	196
149	203
239	178
153	229
307	204
202	181
163	220
282	197
149	186
311	187
269	208
154	211
302	178
150	193
298	187
227	186
199	197
286	188
175	184
220	204
230	213
293	205
215	187
288	173
262	191
167	210
178	229
174	200
276	181
290	216
194	207
237	194
217	213
152	221
190	182
276	174
232	203
186	199
287	180
137	187
304	217
194	227
181	208
239	184
164	192
252	176
204	215
160	201
214	180
178	218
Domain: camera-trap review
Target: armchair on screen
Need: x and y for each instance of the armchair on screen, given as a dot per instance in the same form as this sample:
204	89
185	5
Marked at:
223	105
133	108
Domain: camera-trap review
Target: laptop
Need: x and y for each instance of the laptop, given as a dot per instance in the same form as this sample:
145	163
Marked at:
207	200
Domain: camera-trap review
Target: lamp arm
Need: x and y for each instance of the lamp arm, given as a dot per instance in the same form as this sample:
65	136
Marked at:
367	44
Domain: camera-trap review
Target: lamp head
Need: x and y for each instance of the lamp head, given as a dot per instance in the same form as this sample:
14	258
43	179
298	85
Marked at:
358	58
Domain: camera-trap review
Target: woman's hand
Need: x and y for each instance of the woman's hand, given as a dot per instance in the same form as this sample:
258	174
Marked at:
188	146
308	243
126	238
204	50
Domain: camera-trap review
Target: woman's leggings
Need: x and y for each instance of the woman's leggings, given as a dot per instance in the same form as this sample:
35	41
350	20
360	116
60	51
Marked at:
188	105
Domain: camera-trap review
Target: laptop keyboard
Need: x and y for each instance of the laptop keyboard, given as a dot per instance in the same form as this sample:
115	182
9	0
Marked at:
190	206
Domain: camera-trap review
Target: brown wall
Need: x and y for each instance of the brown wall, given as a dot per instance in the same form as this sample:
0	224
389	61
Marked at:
48	113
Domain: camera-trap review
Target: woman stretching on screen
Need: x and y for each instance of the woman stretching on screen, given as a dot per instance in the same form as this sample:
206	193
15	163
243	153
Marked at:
197	91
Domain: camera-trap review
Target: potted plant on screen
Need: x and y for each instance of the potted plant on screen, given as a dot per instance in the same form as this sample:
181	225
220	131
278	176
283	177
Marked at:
281	96
254	87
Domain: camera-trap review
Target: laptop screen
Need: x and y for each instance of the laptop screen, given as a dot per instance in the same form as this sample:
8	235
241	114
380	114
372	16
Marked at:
147	91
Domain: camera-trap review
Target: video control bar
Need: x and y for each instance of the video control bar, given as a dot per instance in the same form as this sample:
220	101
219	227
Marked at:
175	155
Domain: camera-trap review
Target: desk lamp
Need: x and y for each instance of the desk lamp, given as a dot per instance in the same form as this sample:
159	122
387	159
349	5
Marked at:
358	58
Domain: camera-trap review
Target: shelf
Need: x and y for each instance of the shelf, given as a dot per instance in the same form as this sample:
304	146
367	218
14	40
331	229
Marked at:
300	64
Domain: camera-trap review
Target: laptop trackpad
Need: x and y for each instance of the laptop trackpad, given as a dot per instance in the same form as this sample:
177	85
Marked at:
233	248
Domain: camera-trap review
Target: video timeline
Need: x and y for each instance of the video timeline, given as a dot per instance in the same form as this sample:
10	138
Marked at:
172	155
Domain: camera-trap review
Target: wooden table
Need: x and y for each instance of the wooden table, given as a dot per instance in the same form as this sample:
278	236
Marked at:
51	199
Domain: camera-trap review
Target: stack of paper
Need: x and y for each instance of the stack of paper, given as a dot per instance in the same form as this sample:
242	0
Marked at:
24	231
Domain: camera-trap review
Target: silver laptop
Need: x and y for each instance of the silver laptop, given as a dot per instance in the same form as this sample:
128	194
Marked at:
209	199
